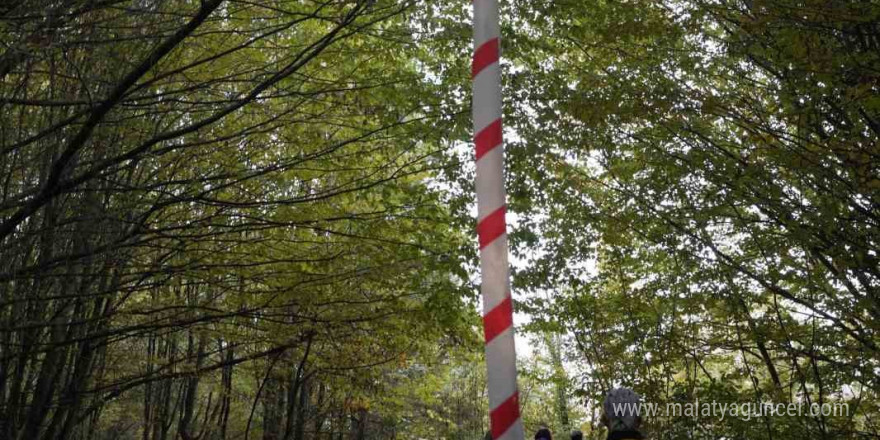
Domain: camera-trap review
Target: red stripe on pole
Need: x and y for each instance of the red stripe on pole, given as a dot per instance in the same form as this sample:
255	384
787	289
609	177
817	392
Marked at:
485	56
498	319
488	138
491	227
505	415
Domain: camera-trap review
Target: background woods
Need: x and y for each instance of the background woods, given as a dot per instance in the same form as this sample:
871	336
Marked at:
707	202
226	219
216	221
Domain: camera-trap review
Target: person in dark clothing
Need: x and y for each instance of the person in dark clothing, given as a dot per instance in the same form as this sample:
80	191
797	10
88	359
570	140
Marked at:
543	434
621	414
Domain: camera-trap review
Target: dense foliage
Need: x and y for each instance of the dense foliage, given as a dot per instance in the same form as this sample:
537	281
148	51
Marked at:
217	219
703	181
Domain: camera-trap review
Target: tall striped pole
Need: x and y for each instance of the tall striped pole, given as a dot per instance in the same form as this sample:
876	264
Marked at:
497	305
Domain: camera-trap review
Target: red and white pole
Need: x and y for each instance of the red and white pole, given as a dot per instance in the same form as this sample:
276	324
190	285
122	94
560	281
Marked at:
497	305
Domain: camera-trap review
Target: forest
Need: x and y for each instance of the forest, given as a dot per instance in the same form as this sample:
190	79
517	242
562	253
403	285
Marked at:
255	219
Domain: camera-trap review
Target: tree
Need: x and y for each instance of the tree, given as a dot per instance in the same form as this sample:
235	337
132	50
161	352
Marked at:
700	178
211	211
